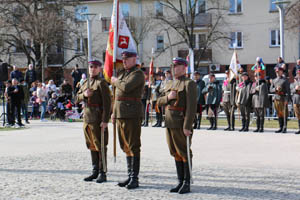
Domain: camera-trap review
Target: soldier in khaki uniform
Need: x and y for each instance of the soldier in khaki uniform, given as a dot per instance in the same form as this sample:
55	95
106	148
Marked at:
128	114
97	106
228	101
180	101
296	97
281	87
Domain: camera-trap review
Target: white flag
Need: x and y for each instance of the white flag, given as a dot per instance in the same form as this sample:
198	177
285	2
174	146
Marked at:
234	66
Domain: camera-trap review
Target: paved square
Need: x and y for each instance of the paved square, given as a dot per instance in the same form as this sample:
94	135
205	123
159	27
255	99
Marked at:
49	160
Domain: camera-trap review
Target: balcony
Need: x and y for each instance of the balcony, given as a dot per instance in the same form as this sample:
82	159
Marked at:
205	56
55	59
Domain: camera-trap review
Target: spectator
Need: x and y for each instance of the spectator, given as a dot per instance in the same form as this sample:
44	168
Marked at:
16	74
83	78
30	75
296	68
51	88
66	89
16	95
35	106
8	103
76	75
42	95
33	88
281	64
25	100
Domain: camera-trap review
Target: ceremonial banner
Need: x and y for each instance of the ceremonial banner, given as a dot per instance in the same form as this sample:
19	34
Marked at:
234	66
119	40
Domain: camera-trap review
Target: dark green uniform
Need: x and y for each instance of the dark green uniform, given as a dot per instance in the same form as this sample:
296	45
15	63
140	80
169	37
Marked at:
281	87
228	102
96	110
260	101
128	112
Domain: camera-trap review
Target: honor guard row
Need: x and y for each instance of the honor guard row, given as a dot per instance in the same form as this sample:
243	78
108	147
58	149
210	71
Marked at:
179	100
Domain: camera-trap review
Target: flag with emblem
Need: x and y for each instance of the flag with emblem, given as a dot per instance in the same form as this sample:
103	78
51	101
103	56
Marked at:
119	40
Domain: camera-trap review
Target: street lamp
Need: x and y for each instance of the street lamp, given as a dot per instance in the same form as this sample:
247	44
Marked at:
281	4
89	18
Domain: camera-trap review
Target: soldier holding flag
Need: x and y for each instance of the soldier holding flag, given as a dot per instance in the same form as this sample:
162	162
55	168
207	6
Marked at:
128	114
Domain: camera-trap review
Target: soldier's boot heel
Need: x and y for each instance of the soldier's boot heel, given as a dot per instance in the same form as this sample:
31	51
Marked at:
280	120
101	178
257	125
95	164
180	176
185	188
129	170
134	180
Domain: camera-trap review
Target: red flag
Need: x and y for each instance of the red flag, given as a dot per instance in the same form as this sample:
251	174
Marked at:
151	70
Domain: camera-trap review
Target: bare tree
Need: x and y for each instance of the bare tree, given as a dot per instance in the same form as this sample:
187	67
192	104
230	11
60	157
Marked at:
35	26
183	16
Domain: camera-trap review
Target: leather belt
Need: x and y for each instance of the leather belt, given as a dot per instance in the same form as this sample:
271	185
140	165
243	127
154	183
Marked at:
175	108
94	105
128	99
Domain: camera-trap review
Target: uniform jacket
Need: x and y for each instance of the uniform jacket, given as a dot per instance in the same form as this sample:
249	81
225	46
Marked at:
285	89
187	99
130	85
260	92
244	97
296	94
200	96
229	91
214	93
17	97
97	107
30	76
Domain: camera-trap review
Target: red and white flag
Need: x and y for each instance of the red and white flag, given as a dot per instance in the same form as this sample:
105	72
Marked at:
119	40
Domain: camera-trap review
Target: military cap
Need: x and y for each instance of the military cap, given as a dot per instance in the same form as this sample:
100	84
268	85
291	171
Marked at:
196	72
245	74
128	54
95	62
180	61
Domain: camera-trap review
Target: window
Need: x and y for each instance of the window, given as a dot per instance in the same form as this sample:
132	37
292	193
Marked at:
81	45
159	43
159	11
272	5
125	9
275	38
201	41
236	40
79	10
105	24
235	6
200	6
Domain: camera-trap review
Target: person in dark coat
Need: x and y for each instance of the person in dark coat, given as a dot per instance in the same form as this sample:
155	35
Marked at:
16	95
66	89
30	75
296	68
16	74
200	100
295	90
76	75
213	92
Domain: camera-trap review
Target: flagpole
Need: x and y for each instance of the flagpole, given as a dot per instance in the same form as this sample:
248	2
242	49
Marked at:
116	27
150	84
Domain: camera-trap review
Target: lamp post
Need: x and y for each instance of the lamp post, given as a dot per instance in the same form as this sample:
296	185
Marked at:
281	4
89	18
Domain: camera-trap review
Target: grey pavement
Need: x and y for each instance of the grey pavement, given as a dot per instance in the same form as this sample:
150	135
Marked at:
48	160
